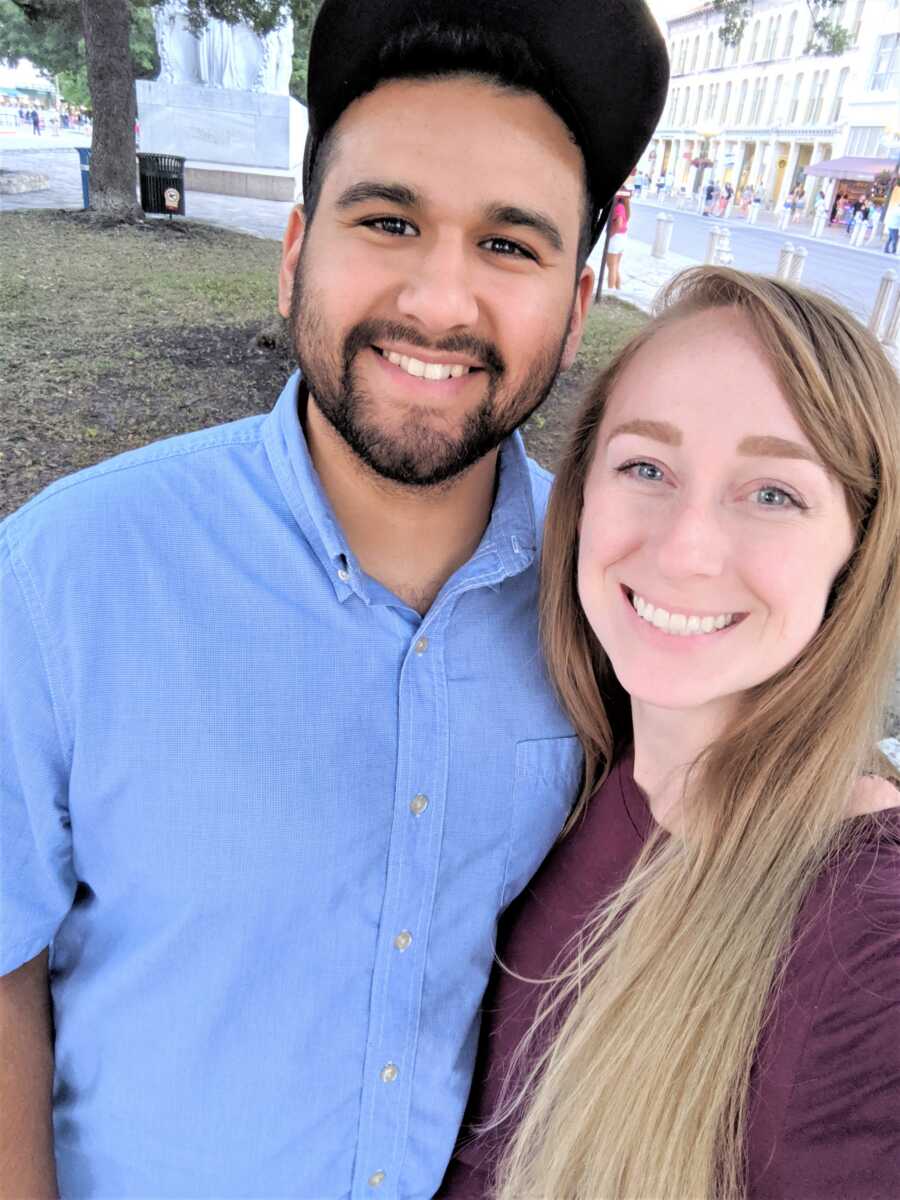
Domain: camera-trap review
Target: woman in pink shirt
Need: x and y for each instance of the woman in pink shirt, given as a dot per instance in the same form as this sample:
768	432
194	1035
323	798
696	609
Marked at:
700	997
618	233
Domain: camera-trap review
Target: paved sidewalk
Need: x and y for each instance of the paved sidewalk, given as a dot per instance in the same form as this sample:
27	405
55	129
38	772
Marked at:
800	230
642	274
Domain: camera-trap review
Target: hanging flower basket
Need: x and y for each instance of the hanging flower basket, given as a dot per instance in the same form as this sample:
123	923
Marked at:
702	163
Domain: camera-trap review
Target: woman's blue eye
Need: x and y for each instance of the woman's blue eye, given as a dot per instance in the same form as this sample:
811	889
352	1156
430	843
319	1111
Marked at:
642	470
775	497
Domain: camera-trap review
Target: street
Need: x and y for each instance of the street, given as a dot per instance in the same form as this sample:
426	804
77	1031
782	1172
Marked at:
847	274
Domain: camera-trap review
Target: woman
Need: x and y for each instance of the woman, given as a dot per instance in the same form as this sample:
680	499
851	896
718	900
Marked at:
618	231
701	995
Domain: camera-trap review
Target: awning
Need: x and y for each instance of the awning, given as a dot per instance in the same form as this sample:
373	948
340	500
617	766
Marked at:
852	168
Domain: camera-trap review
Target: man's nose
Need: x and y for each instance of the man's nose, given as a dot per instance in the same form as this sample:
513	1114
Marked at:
692	542
438	293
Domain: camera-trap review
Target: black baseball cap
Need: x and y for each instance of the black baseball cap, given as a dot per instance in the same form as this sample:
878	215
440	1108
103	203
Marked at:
602	66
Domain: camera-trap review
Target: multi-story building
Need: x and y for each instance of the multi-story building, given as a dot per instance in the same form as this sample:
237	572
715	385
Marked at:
766	110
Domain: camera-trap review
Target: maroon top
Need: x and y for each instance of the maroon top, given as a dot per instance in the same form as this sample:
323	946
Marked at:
824	1119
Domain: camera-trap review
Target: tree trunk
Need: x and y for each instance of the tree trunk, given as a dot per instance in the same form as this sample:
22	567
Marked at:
111	82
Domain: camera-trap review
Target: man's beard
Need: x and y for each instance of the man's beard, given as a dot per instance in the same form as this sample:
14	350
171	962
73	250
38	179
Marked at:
417	454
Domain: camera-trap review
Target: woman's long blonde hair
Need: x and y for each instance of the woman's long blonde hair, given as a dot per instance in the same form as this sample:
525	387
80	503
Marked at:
642	1094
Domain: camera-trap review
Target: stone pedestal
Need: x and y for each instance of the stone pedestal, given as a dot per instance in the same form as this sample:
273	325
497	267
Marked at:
253	139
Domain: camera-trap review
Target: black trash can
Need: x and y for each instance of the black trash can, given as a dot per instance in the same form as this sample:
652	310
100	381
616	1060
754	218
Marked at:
162	183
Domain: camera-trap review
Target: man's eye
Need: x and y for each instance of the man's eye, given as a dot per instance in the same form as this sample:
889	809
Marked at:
395	226
642	470
501	245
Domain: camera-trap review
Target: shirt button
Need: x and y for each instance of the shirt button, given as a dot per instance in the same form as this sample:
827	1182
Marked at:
418	804
343	575
403	940
376	1179
421	645
389	1073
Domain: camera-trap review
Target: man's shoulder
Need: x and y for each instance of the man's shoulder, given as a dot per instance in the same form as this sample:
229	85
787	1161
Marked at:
145	480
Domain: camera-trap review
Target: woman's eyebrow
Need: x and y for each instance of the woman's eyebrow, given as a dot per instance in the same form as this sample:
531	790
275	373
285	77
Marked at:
776	447
660	431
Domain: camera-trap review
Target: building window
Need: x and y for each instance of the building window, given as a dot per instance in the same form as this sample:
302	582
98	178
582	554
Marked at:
759	98
819	98
720	53
742	100
886	67
776	96
694	53
683	56
684	106
795	100
698	104
857	21
866	141
754	42
707	61
789	38
811	100
725	104
839	97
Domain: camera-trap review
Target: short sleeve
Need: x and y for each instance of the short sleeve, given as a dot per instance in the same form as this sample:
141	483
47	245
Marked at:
841	1139
37	881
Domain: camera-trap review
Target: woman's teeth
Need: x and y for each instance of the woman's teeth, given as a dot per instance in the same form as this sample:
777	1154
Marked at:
678	623
423	370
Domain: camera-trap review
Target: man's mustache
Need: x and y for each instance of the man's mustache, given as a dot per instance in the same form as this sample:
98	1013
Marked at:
370	332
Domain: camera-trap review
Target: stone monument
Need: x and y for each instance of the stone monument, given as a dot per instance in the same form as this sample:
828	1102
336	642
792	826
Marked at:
221	101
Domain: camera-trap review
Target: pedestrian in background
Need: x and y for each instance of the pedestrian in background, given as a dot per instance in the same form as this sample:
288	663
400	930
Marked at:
892	225
618	233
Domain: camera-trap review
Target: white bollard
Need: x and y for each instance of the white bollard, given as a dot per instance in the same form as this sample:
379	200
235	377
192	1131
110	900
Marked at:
818	225
885	294
798	262
891	332
785	258
724	257
753	215
729	208
663	237
785	218
859	232
712	245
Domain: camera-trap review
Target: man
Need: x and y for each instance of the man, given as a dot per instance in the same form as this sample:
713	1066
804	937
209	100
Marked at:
278	743
892	225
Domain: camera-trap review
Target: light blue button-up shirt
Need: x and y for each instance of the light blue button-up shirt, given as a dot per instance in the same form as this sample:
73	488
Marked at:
265	815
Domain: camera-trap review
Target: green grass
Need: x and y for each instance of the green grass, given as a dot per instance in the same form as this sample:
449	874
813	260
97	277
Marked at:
113	337
609	326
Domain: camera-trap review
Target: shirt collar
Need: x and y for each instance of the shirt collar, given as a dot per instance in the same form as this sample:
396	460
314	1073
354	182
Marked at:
511	532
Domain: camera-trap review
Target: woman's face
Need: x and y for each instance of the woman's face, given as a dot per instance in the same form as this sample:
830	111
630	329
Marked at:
711	532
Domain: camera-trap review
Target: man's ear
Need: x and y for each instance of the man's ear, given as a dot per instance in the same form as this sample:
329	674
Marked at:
290	252
584	293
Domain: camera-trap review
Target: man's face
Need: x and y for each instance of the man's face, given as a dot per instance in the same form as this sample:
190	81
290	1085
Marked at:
434	296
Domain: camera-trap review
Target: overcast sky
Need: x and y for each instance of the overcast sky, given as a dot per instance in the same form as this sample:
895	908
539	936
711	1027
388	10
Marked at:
664	10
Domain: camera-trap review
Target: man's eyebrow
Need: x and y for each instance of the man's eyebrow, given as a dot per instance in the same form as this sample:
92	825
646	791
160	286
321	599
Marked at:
529	218
660	431
373	189
776	447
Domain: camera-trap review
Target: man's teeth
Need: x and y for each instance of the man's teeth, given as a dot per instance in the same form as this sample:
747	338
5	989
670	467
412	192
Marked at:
678	623
423	370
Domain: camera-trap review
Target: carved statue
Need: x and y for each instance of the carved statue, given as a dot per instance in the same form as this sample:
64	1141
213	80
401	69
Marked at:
223	55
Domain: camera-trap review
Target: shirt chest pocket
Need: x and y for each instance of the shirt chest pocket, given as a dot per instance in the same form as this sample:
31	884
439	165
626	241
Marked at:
548	775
